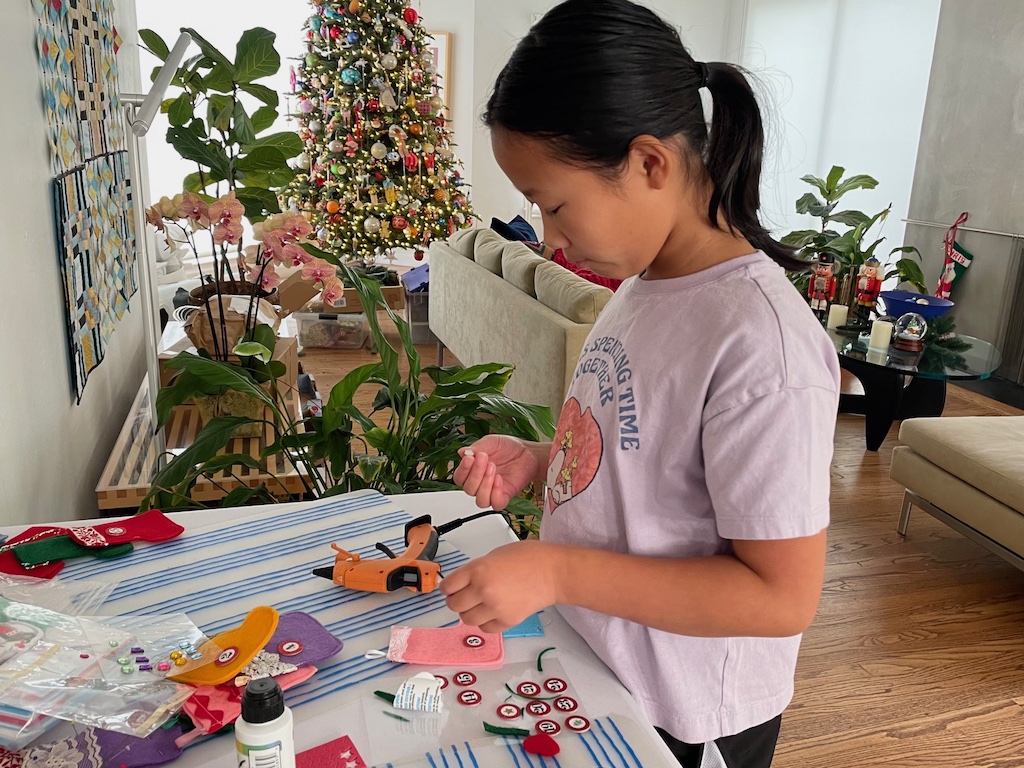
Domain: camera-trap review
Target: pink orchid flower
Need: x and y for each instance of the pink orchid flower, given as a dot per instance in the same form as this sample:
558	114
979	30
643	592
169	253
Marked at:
270	278
333	290
273	246
298	226
296	255
195	209
319	271
227	214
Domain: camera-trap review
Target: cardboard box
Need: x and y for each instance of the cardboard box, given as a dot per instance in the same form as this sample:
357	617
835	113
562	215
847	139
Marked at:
293	293
349	302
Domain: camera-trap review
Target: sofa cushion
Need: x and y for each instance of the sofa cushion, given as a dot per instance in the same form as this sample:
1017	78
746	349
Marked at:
487	250
984	451
518	265
464	241
568	294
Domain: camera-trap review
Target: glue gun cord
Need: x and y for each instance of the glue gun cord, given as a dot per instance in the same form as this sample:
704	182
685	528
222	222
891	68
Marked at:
451	526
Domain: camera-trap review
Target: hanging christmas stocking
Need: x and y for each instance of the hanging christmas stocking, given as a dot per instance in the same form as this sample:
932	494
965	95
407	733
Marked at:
957	260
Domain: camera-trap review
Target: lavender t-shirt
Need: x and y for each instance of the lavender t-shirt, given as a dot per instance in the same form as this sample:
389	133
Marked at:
702	410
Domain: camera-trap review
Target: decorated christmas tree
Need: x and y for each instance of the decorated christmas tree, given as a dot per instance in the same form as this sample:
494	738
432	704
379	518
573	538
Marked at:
378	171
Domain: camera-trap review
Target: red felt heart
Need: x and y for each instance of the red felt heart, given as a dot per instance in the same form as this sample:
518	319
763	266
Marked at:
541	744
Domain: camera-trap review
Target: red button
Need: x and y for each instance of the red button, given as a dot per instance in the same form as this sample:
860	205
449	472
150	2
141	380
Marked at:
473	641
538	708
226	656
443	679
577	724
565	704
509	712
465	678
528	689
469	698
550	727
289	648
555	685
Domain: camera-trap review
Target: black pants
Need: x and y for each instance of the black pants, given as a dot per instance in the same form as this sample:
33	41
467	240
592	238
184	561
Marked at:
753	748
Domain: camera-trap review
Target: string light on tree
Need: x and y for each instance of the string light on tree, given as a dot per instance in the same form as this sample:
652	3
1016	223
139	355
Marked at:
378	171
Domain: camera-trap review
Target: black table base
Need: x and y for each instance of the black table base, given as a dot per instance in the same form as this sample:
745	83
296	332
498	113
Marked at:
887	397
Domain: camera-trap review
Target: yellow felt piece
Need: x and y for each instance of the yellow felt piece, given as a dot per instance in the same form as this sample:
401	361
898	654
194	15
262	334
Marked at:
226	654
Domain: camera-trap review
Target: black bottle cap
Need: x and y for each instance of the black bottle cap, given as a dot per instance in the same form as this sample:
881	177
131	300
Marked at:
262	701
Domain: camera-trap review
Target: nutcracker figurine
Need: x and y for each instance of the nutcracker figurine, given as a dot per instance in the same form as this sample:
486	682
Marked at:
821	288
868	286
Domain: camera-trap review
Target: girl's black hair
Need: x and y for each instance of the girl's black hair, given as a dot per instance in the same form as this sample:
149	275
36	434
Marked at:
592	75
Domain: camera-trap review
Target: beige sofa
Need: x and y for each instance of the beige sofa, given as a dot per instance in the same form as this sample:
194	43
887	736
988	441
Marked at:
493	300
967	471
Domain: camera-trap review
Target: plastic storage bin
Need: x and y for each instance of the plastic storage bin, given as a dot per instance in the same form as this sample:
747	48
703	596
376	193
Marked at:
330	331
417	314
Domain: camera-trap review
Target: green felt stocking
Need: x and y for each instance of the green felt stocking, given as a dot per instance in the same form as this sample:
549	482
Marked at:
63	548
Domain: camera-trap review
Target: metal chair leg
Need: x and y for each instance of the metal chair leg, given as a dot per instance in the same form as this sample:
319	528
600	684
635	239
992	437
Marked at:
440	354
901	528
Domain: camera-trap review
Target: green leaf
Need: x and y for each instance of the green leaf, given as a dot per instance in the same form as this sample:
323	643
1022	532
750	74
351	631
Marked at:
242	131
339	404
799	238
217	373
262	159
207	443
255	56
833	178
287	142
267	95
191	144
263	118
219	79
809	203
180	110
855	182
154	44
197	182
210	51
817	183
850	218
219	109
267	179
253	349
258	202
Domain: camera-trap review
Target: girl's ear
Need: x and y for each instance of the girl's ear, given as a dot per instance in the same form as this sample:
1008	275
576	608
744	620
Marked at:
653	160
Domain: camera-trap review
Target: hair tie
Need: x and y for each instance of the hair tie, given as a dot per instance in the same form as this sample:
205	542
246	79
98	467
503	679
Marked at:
703	71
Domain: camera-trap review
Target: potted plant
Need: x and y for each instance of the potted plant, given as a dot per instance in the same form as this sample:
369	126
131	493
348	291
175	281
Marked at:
847	247
344	449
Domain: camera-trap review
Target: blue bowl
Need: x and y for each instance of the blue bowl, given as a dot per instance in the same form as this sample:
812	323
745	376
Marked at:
898	303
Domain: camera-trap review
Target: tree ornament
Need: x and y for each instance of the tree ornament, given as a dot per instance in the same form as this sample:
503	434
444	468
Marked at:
399	222
417	76
325	79
379	151
353	7
333	206
371	224
419	254
337	146
373	105
393	156
316	126
425	108
410	15
352	37
310	60
350	76
415	129
414	231
302	162
389	61
306	106
436	102
411	162
440	195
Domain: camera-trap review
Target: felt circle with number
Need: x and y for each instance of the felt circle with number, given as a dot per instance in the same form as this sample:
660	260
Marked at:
509	712
555	685
469	698
474	641
565	704
226	656
443	680
528	689
465	678
538	708
550	727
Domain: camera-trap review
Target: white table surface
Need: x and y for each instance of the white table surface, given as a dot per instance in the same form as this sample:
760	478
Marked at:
594	683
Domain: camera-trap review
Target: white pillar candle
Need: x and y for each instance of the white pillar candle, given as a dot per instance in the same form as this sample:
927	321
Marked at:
881	334
837	314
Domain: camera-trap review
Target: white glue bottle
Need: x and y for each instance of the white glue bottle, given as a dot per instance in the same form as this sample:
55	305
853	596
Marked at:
263	732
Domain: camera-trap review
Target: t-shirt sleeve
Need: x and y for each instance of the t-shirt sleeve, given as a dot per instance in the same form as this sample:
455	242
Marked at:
767	464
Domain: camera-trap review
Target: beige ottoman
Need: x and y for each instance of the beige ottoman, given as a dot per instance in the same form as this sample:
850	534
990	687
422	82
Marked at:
967	471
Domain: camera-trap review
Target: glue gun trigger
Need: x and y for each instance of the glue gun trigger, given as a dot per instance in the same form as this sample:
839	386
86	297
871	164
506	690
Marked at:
381	546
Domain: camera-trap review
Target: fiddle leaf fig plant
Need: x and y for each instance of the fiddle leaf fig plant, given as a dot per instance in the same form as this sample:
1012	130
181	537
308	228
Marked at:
408	441
847	246
211	125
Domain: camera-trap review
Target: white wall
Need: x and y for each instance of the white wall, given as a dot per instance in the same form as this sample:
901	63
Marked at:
52	451
848	80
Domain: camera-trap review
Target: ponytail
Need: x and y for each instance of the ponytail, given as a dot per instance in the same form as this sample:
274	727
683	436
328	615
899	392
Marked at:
592	75
735	150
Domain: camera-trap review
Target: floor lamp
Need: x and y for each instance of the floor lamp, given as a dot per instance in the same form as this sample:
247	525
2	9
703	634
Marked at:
139	110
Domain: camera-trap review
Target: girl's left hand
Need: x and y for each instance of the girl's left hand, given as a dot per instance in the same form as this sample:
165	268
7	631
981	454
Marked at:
502	588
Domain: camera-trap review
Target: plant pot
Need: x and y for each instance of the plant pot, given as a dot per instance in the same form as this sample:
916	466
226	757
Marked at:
197	296
232	404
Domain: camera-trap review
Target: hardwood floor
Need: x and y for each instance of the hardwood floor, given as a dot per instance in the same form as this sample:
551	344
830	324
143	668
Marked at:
916	657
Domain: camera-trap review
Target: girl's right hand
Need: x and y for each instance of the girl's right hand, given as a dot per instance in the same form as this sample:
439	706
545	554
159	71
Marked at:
495	468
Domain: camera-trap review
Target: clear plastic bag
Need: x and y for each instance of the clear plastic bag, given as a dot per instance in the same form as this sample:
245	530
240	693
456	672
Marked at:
73	668
74	598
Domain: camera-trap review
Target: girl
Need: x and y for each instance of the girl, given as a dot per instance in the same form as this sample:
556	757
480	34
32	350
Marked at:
688	483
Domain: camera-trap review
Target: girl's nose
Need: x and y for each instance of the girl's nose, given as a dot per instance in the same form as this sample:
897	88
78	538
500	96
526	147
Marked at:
552	236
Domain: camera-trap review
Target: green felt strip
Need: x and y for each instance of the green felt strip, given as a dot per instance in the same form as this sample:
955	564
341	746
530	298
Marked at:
388	697
540	668
501	730
63	548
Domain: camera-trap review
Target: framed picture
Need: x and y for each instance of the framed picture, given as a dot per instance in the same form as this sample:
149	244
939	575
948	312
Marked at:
440	46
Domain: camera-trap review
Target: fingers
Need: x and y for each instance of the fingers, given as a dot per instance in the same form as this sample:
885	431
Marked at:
478	474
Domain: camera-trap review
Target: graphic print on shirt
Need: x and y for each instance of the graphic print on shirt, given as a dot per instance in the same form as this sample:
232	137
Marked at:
603	379
576	455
